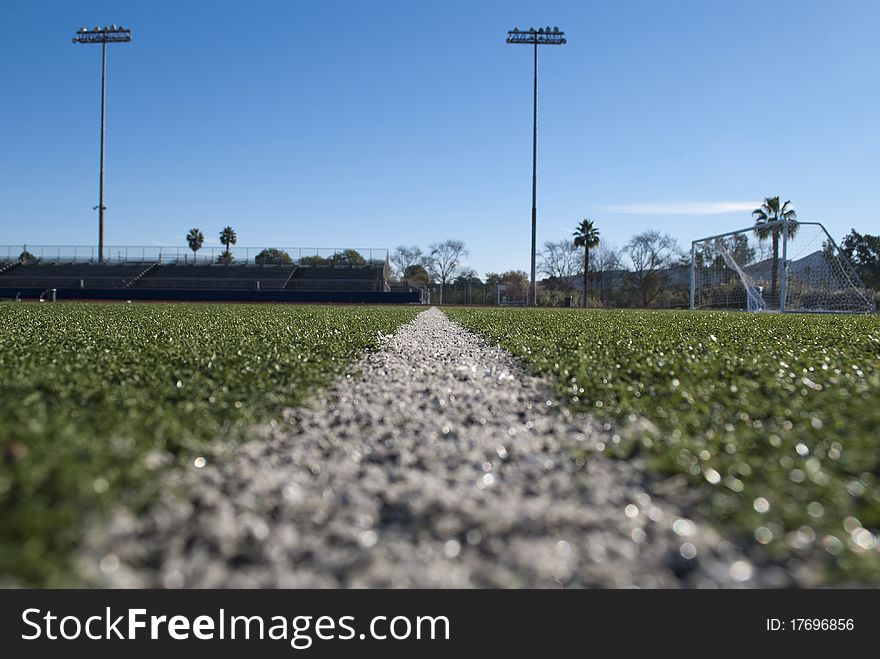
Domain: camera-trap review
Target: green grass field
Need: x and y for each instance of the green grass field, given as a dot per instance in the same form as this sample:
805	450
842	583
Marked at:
88	390
772	421
768	424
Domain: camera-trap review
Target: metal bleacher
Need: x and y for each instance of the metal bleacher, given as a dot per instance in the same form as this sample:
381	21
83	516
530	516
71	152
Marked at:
69	275
163	273
338	278
219	276
225	277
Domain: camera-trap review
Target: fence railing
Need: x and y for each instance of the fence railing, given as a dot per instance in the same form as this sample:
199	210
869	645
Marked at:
178	254
474	293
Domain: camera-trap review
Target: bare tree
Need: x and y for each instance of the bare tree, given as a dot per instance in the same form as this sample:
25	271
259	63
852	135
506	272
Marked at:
559	260
444	261
406	256
605	259
651	252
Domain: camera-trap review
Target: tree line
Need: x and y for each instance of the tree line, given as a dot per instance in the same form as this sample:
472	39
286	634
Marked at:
271	255
650	270
195	239
583	256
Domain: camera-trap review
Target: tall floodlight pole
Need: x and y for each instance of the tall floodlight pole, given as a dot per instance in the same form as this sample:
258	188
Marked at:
540	37
103	36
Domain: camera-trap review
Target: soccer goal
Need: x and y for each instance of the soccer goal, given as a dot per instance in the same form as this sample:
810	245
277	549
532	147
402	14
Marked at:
782	266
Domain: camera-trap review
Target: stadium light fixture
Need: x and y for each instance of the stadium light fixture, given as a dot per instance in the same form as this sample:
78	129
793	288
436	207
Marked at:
103	36
535	38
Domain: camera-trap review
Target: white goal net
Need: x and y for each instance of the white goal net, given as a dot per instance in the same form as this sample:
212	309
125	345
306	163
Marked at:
778	266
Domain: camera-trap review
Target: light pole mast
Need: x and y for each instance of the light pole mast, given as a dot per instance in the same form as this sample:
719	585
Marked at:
534	37
103	36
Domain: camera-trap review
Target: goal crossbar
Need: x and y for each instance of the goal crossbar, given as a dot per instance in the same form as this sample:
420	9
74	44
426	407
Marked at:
734	270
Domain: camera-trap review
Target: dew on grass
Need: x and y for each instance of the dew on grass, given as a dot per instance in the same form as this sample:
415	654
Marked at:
864	539
688	550
741	571
763	535
109	563
368	538
451	549
832	544
683	527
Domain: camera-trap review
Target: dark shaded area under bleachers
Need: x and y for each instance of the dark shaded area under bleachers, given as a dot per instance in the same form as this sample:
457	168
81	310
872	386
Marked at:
202	295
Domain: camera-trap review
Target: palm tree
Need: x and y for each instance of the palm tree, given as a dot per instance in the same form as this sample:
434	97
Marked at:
586	236
228	237
771	211
195	238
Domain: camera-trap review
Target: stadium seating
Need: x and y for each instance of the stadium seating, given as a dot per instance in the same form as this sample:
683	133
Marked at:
70	275
338	278
161	276
225	277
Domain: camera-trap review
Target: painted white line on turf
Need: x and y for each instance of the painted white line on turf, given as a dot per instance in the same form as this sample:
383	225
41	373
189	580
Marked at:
440	463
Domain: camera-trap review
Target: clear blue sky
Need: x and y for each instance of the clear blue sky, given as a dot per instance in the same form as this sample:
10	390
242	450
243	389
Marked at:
372	124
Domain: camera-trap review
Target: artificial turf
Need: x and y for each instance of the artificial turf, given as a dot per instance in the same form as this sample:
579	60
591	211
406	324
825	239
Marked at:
90	394
772	421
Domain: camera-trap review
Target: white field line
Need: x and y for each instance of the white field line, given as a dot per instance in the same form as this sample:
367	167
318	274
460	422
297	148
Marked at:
435	462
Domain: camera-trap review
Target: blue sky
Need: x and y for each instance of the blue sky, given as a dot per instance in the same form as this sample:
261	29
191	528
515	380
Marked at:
372	124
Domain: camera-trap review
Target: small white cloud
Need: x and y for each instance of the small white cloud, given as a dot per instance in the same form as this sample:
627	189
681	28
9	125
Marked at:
683	208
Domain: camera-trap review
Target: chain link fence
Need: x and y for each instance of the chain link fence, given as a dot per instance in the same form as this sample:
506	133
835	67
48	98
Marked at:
181	254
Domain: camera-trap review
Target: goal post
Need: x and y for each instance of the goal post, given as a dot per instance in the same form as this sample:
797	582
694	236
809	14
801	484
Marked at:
782	266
